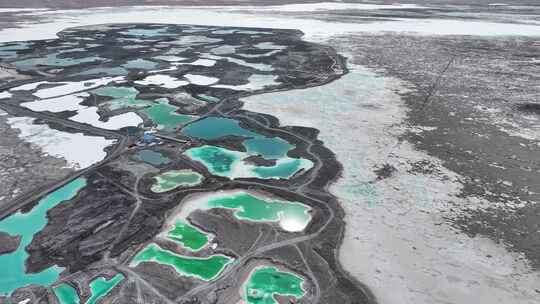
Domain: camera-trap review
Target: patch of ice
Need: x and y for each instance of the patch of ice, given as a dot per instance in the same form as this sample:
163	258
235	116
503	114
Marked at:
165	81
66	88
201	80
201	62
257	66
256	82
79	150
85	114
170	58
59	104
5	94
29	86
269	46
10	10
224	49
90	116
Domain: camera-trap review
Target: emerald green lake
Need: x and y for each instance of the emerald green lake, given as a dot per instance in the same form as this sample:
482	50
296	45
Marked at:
291	216
99	287
173	179
66	294
152	157
205	269
164	115
219	161
26	225
188	236
266	282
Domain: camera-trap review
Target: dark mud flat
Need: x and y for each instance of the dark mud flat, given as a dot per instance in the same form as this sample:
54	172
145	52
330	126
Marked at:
100	231
479	97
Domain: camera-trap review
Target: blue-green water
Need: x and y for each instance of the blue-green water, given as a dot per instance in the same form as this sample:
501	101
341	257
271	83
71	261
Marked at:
152	157
53	60
268	147
164	115
116	71
227	163
12	265
219	161
284	168
66	294
99	287
211	128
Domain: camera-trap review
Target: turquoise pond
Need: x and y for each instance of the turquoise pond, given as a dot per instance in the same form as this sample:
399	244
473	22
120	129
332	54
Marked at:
268	147
211	128
27	225
99	288
164	115
115	71
227	163
152	157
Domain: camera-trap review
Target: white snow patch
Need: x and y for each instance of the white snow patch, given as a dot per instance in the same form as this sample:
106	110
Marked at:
202	62
201	80
165	81
58	104
28	86
256	82
269	46
90	116
85	114
170	58
79	150
4	95
66	88
10	10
